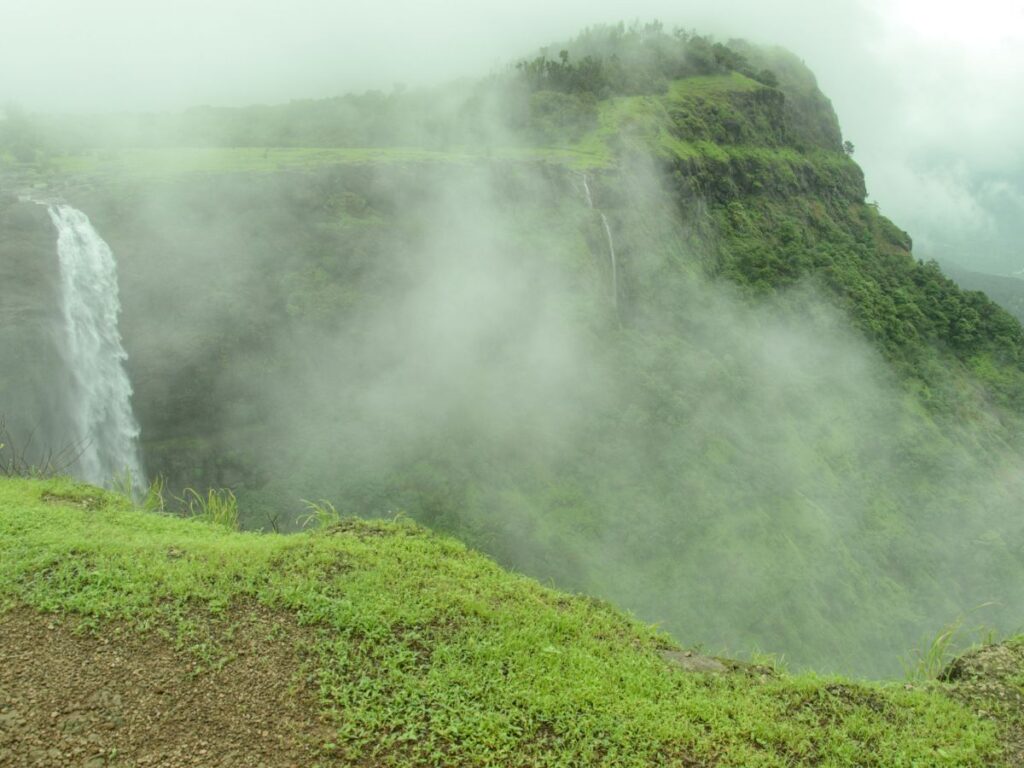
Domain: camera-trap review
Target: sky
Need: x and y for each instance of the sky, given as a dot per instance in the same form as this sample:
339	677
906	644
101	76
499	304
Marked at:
929	91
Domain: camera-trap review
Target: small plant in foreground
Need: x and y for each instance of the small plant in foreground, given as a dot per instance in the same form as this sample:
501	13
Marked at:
154	498
776	662
928	663
219	506
123	484
322	514
22	459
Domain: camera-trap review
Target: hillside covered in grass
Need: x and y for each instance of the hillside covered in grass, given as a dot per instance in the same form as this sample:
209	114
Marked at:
621	318
395	646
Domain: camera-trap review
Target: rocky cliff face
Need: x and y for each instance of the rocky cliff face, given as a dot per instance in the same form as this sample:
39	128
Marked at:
33	383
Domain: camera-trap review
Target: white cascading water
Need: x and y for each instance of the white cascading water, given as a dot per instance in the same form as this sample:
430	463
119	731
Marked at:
615	268
106	431
611	244
586	191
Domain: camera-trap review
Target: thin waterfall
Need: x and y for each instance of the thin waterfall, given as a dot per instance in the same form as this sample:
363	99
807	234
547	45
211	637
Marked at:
104	426
609	240
615	268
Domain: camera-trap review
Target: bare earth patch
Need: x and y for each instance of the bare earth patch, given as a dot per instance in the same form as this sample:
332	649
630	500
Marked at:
74	699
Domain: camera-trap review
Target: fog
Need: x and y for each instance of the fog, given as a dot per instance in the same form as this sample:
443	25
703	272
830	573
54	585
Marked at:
929	93
445	337
442	342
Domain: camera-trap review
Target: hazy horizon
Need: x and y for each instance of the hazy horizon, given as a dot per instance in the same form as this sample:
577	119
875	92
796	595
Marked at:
947	169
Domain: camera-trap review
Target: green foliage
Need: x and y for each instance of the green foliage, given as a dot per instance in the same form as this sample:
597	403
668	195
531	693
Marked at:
543	74
424	652
639	59
915	314
844	485
153	502
931	659
674	456
20	457
561	118
124	484
928	663
810	119
605	61
218	506
321	515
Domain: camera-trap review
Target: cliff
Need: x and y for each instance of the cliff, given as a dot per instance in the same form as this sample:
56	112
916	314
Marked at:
639	334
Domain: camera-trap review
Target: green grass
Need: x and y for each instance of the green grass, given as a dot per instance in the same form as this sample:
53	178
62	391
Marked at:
647	123
174	161
218	506
428	653
716	86
643	119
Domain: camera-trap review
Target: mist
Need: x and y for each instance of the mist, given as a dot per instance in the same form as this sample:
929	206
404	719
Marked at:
445	344
929	95
438	332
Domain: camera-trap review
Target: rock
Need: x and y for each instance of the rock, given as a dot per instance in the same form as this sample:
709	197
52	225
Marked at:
693	662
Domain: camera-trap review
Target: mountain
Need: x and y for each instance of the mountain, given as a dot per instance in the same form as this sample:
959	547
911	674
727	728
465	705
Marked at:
1005	290
619	317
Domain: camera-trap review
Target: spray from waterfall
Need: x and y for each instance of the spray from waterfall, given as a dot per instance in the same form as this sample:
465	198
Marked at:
609	240
104	424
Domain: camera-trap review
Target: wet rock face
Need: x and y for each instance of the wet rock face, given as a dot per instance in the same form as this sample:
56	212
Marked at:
32	397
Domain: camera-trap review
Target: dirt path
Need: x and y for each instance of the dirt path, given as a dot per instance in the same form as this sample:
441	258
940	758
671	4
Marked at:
77	700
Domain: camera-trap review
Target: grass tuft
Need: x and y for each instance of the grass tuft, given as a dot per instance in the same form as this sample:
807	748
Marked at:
219	507
321	514
935	653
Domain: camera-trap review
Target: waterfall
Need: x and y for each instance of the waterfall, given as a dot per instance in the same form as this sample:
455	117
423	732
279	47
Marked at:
609	240
105	429
615	268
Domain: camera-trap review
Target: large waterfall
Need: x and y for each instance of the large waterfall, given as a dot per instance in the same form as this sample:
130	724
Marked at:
105	429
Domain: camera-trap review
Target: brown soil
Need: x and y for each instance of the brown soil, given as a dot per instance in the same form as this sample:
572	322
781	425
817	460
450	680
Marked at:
91	700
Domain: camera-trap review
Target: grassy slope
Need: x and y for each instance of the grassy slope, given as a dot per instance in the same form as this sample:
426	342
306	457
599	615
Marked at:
426	651
175	161
641	120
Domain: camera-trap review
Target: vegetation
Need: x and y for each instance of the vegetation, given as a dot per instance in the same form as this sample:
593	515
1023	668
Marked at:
621	60
218	506
782	384
603	62
425	652
24	459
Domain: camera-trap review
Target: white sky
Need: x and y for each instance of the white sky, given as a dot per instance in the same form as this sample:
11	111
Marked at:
912	80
